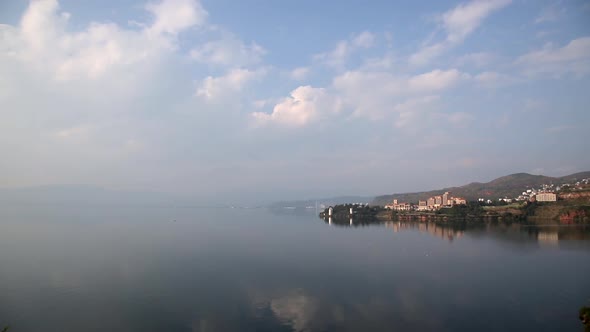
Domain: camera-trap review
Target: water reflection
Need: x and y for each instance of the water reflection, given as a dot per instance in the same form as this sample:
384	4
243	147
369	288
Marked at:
250	270
444	232
549	233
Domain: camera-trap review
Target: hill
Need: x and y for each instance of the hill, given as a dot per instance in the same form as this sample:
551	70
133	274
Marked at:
302	204
81	195
506	186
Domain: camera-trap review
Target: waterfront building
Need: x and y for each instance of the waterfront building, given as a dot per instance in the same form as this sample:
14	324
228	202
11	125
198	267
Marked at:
397	206
430	202
546	197
438	201
445	198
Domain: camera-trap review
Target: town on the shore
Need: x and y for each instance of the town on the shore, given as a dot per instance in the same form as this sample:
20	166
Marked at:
545	193
572	200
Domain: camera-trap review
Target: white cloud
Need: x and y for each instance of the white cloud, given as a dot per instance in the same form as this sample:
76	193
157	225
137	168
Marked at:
40	25
375	94
493	79
261	103
384	62
427	53
174	16
415	114
436	80
571	58
413	111
369	94
98	91
364	40
299	73
339	55
43	42
306	104
458	23
228	51
478	59
217	88
462	20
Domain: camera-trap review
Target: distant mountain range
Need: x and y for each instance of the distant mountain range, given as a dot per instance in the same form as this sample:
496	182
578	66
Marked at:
81	195
507	186
302	204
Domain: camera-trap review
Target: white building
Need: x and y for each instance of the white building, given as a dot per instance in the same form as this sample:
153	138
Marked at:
546	197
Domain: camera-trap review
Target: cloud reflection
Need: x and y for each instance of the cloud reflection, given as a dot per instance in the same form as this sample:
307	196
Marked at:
296	308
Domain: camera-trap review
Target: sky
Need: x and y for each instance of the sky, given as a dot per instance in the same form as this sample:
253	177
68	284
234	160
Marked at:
268	100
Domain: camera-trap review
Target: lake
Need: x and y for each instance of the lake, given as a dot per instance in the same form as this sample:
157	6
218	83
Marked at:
213	269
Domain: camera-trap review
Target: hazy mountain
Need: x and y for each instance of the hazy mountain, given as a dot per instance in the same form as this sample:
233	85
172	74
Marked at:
326	201
509	186
84	195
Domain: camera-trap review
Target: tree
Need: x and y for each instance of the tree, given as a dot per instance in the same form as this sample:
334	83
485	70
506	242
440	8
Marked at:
585	318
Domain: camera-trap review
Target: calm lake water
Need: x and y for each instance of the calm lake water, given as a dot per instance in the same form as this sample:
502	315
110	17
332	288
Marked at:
196	269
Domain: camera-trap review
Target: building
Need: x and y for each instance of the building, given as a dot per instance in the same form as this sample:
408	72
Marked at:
546	197
403	207
438	201
459	201
397	206
422	206
430	202
445	198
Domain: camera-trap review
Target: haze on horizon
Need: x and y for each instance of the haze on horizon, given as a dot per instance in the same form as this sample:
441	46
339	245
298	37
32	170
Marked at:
278	100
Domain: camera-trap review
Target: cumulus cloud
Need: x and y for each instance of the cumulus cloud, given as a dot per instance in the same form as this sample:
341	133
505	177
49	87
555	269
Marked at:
305	105
374	94
174	16
76	98
43	41
365	94
215	88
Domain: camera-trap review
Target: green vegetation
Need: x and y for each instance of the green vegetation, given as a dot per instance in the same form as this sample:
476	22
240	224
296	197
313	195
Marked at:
566	211
585	318
506	186
571	211
360	212
463	211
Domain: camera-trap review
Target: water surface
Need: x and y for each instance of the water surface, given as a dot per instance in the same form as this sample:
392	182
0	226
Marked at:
197	269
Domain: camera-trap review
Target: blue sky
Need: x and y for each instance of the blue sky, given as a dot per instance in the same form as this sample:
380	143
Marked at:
263	100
